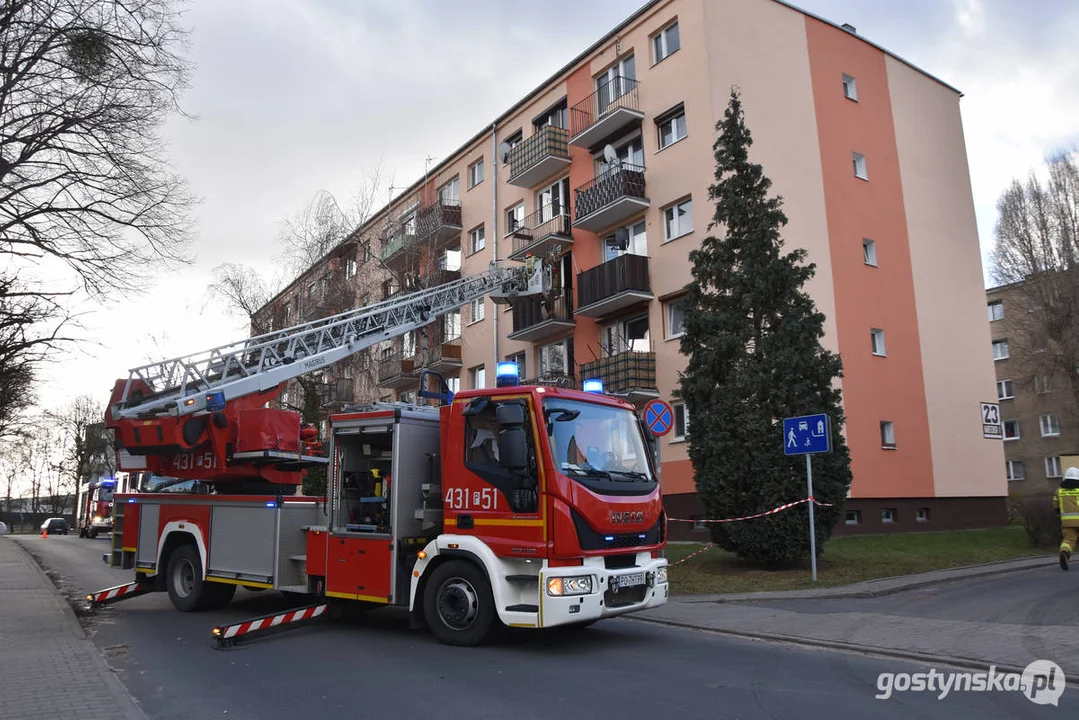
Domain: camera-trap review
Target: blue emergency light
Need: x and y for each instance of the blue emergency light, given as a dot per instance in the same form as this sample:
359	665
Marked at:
215	401
594	385
507	374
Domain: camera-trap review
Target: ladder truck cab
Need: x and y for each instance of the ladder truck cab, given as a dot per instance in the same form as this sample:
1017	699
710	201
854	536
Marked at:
95	510
523	506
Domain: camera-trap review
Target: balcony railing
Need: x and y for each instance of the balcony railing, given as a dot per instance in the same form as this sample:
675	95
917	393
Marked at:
553	380
397	245
441	356
627	373
606	111
539	157
614	285
541	231
608	198
338	391
395	371
535	319
441	220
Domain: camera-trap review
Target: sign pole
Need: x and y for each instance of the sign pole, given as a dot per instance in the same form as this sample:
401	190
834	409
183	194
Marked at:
812	527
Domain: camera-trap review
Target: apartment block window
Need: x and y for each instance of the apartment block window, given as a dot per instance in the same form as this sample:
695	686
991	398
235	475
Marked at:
1052	467
450	193
476	310
859	166
888	515
511	142
996	310
1011	429
877	338
1000	350
520	359
665	42
451	326
1005	390
699	523
454	384
515	217
869	252
477	239
478	376
678	220
681	421
1016	470
887	434
1050	426
923	515
350	267
367	254
672	126
676	318
1041	384
557	116
854	517
850	88
475	173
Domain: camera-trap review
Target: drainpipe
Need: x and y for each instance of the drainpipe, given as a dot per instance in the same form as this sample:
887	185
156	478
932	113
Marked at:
495	162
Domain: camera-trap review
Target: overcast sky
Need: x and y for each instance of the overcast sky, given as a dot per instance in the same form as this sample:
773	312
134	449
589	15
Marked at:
294	96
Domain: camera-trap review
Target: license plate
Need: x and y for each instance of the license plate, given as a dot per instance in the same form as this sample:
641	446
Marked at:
625	581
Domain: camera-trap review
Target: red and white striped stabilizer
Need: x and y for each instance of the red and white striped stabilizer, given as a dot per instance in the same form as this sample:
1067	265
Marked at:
228	634
116	594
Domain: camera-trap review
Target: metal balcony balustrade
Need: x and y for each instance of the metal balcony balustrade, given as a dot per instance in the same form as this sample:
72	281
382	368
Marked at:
610	198
534	160
614	285
626	373
612	107
546	229
398	245
440	220
396	371
536	319
440	356
337	392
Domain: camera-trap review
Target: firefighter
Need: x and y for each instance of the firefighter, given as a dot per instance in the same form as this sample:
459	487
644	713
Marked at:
1066	500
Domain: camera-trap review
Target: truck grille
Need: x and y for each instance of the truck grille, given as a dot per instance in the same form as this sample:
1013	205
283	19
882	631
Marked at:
592	540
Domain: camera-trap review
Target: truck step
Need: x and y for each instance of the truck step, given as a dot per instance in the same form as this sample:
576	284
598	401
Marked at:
298	558
522	578
523	608
293	588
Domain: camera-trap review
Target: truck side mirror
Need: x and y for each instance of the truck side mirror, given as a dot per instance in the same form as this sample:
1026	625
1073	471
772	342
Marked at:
510	415
512	447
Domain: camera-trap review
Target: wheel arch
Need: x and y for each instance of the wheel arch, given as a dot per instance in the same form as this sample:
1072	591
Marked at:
175	535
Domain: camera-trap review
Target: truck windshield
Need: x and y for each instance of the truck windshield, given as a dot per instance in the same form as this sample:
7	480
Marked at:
599	442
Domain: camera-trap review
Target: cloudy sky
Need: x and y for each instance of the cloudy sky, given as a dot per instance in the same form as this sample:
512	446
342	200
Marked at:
295	96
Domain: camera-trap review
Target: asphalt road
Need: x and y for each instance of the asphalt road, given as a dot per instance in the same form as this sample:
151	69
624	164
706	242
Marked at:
375	667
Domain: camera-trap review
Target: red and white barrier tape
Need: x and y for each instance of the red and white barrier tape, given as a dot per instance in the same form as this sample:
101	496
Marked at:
773	511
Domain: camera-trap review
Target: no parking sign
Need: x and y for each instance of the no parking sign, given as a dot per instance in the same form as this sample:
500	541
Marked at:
659	417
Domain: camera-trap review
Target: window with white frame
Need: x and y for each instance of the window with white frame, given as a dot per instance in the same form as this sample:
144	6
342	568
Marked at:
887	434
678	220
1000	350
923	515
515	218
477	239
1016	470
476	310
853	517
478	376
876	336
850	88
671	126
475	173
556	116
1011	429
869	252
681	421
553	359
367	252
521	361
859	166
1052	467
1005	390
996	310
1050	425
888	516
626	240
408	344
676	317
450	193
626	335
450	259
665	42
451	326
614	82
1041	384
350	267
454	384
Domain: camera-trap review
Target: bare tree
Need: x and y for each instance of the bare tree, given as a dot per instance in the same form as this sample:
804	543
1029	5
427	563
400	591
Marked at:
83	441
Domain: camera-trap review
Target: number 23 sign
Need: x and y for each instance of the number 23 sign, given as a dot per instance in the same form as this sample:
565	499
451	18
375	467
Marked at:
991	425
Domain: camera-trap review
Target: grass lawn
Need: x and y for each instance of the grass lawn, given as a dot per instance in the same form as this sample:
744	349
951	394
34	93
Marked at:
847	560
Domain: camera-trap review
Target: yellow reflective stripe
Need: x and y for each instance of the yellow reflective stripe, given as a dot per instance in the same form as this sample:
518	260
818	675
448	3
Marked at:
366	598
231	581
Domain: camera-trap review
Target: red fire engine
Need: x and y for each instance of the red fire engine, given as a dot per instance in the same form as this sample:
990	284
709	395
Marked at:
95	509
526	506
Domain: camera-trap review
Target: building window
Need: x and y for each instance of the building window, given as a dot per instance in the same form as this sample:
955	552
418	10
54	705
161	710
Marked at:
859	166
476	310
451	326
888	515
1052	467
477	238
515	217
923	515
672	126
1011	429
557	117
887	434
1005	390
854	517
519	359
454	384
678	220
1016	470
996	310
850	88
478	376
877	337
555	360
681	421
511	142
475	173
350	268
1000	350
1041	384
869	252
676	318
1050	426
665	42
698	523
367	254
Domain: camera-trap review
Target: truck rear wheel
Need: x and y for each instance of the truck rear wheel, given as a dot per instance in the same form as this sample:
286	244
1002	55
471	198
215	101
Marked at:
184	579
458	604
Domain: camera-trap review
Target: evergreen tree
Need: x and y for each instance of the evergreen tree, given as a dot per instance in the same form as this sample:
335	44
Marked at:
752	337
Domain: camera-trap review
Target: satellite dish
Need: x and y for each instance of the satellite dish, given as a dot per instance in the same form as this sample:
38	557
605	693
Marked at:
504	151
621	238
610	155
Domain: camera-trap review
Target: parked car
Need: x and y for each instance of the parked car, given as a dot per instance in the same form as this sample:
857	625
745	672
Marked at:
3	529
55	525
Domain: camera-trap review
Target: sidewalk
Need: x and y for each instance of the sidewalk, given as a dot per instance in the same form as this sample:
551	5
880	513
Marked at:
970	643
49	668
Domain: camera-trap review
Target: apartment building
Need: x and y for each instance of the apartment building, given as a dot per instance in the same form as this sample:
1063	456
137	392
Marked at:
604	171
1041	438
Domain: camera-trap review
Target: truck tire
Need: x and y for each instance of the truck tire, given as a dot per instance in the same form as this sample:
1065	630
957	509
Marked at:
184	579
458	604
216	595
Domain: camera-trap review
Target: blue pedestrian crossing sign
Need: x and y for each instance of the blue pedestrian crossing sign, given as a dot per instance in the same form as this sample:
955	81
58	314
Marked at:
807	435
659	417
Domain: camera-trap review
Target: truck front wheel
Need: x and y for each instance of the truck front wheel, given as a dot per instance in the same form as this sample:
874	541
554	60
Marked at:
458	604
184	577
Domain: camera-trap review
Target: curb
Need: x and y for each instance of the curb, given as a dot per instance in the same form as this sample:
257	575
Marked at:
126	705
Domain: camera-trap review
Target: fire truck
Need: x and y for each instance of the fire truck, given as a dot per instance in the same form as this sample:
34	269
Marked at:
95	509
520	506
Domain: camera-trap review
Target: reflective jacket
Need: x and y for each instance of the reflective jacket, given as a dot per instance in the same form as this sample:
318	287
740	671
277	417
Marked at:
1067	501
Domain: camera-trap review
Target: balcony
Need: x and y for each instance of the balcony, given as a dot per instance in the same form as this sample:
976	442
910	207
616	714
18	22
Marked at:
553	380
611	109
397	246
630	374
439	222
441	357
337	392
542	233
539	157
536	319
614	285
396	372
610	198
